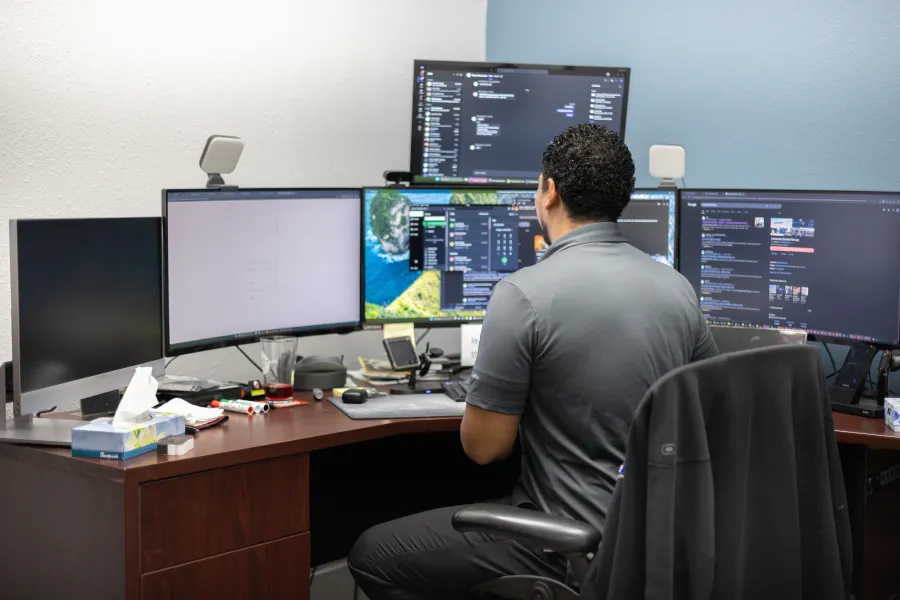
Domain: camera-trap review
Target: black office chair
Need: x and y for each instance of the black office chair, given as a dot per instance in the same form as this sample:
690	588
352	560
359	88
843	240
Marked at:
574	540
718	408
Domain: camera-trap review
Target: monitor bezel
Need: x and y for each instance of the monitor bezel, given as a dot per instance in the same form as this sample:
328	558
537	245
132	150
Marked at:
202	345
823	339
51	397
416	169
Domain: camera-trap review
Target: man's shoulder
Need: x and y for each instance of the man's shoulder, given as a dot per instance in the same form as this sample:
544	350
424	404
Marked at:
527	280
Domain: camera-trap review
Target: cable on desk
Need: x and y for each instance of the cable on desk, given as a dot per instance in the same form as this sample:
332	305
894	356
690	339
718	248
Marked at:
834	368
252	362
170	361
423	336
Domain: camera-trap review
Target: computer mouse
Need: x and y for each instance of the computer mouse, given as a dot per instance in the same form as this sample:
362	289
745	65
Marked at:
355	396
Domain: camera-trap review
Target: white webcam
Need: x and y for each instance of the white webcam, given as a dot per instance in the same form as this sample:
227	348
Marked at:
220	155
667	163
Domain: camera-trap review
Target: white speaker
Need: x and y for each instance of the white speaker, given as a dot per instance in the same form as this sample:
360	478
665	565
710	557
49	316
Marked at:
667	163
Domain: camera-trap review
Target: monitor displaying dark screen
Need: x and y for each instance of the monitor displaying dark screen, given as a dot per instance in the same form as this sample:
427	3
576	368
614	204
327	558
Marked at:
825	262
490	123
88	295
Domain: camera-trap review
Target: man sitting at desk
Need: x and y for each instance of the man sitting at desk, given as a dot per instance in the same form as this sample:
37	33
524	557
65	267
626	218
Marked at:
568	349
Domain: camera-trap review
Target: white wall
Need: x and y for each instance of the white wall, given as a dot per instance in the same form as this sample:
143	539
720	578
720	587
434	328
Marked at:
105	102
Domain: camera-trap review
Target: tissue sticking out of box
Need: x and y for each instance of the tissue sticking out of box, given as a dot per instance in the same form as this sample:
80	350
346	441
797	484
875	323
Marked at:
139	398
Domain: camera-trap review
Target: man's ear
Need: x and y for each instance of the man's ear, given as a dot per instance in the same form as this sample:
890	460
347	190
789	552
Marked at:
551	198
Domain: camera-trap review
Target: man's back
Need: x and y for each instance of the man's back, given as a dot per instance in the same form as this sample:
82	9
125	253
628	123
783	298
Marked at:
602	322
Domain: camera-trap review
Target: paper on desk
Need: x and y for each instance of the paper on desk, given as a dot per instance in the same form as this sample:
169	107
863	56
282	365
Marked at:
193	415
395	330
139	398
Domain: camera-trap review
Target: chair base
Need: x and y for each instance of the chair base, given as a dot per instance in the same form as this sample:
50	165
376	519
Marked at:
524	587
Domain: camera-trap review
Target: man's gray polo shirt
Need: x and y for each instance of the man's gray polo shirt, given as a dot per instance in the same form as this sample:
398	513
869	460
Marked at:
572	344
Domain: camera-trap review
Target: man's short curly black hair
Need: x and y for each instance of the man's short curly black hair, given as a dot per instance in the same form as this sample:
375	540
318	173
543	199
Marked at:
593	171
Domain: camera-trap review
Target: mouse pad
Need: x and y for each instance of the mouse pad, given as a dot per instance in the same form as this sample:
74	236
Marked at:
402	407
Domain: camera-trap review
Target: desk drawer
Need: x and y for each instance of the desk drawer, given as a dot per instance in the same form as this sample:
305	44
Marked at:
196	516
274	571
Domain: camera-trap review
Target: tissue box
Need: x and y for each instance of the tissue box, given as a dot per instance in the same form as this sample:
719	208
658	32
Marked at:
99	439
892	413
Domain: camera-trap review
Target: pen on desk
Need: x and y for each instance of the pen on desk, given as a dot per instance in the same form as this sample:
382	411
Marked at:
232	406
258	407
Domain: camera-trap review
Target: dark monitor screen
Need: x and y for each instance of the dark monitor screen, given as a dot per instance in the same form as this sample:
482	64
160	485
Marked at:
825	262
88	294
241	264
434	255
648	222
490	123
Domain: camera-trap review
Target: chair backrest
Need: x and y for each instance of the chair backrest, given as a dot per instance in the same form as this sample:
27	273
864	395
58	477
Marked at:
736	339
732	486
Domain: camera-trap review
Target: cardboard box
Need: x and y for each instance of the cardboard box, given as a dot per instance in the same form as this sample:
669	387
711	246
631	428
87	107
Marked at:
99	439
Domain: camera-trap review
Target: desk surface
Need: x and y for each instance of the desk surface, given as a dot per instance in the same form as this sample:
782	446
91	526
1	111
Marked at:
243	439
314	427
850	429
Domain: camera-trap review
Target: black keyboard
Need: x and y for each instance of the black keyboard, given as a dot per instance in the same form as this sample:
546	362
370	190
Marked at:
457	390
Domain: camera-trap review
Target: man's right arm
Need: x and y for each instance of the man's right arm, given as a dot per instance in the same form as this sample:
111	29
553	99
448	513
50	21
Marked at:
705	344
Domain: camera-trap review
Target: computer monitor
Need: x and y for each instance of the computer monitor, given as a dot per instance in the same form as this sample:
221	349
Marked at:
648	223
489	123
825	262
243	264
433	256
86	309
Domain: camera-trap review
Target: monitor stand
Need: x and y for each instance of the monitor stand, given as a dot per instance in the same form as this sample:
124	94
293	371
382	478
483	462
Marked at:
416	387
38	431
847	391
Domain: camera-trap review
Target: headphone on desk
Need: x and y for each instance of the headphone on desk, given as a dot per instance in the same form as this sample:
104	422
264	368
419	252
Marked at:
889	363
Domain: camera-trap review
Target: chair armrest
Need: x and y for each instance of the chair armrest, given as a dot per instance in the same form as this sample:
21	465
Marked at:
537	529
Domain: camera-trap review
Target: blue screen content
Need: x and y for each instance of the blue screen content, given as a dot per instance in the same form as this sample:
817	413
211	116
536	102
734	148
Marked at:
435	255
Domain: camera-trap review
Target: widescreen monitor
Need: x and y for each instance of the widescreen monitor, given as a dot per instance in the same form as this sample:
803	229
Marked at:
86	307
433	256
489	123
824	262
247	263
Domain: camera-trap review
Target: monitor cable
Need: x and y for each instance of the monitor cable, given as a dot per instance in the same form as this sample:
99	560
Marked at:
834	369
247	356
170	361
422	337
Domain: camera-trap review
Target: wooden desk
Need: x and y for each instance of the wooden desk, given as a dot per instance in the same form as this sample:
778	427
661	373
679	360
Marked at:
871	466
230	519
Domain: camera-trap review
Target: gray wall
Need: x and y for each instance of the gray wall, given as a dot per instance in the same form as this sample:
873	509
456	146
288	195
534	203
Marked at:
798	94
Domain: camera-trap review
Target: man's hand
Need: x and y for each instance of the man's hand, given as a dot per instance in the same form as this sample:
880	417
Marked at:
488	436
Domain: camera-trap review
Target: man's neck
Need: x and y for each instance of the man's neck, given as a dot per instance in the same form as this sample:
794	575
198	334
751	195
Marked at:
564	226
